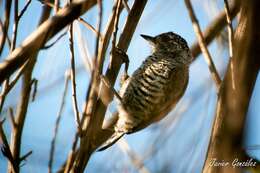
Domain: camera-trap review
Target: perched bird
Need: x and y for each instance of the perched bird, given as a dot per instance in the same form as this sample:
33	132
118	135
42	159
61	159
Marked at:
155	87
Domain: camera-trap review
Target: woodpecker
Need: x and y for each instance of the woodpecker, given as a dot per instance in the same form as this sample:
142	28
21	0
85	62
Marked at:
155	87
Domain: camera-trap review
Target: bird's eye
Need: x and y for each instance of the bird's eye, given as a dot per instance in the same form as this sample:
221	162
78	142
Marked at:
165	38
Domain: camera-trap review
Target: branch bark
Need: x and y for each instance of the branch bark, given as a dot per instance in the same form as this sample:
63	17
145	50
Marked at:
95	137
232	105
32	44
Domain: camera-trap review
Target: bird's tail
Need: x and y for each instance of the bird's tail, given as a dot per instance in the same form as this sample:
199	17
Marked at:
113	139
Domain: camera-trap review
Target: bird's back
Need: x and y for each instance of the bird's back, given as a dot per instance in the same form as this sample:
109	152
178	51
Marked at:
153	90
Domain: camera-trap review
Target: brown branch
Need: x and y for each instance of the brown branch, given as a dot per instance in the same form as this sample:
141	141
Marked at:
25	156
73	79
15	26
80	19
16	136
230	39
202	44
87	25
126	6
8	86
94	137
117	13
43	33
8	5
215	27
54	42
6	149
57	123
2	31
56	5
107	83
232	105
104	45
24	9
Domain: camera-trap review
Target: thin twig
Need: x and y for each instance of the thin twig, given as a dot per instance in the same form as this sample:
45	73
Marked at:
24	9
94	136
116	24
6	149
89	26
83	49
107	83
54	42
202	44
135	159
126	6
8	86
80	19
34	83
57	123
72	155
73	79
24	157
230	40
15	25
8	5
11	115
2	31
32	44
214	28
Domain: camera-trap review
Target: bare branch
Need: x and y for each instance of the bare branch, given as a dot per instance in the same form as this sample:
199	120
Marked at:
95	137
15	25
215	27
202	44
232	105
11	115
230	39
44	32
8	5
24	9
107	83
24	157
6	149
57	123
54	42
87	25
135	159
126	6
73	79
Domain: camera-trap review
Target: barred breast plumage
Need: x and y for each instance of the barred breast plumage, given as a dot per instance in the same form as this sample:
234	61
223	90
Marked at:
155	87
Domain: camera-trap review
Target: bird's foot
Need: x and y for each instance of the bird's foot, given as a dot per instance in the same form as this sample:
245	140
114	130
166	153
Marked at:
125	59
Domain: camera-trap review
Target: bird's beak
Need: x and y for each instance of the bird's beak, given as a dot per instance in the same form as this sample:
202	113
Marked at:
149	38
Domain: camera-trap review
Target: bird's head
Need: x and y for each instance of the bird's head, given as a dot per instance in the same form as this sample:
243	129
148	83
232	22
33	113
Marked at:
168	42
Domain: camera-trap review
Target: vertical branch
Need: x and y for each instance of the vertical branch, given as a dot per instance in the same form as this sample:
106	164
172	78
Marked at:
16	20
73	79
56	6
232	105
202	45
5	25
230	39
116	24
94	136
16	136
57	123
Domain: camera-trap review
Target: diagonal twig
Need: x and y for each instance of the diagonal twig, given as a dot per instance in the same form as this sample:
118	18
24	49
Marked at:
57	123
202	44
